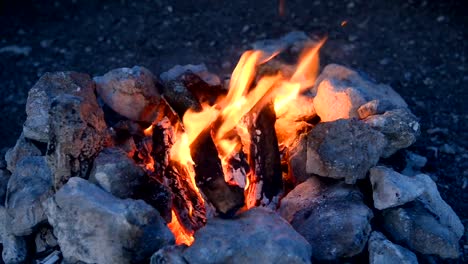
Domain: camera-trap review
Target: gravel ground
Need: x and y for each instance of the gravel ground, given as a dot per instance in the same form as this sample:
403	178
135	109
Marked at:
418	47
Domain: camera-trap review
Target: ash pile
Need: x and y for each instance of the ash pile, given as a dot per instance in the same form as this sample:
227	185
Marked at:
128	167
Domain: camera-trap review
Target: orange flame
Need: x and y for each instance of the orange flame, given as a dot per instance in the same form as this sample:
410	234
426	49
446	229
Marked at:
225	117
182	235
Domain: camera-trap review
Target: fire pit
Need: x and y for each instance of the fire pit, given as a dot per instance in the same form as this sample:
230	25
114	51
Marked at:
279	163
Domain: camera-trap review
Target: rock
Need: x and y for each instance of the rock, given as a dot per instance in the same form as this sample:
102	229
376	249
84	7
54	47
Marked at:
374	107
391	189
45	240
23	148
382	250
399	126
40	97
294	41
333	218
28	187
341	91
198	69
116	173
428	225
92	226
77	134
180	98
298	160
345	148
169	255
131	92
414	163
256	236
438	207
418	229
4	178
15	250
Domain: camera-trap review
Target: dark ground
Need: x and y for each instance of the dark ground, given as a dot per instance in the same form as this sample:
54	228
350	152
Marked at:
418	47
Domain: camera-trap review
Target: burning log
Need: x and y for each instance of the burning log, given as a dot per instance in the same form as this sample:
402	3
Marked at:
227	199
265	182
186	202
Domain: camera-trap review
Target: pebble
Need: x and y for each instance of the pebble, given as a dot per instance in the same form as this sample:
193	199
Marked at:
440	18
448	149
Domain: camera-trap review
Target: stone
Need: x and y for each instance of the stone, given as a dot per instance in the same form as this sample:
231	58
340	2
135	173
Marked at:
15	250
180	98
45	240
298	160
419	230
400	127
374	107
41	95
131	92
345	148
414	163
28	187
332	217
4	178
382	250
116	173
198	69
93	226
23	148
391	189
438	207
294	41
255	236
169	255
340	92
77	134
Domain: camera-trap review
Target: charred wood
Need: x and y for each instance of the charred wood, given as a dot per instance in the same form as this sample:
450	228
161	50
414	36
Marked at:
266	177
209	176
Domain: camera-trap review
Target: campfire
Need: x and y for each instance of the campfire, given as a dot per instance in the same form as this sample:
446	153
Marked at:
291	159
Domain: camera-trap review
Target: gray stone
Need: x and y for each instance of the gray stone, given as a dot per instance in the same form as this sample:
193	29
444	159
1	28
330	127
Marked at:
131	92
341	91
333	218
15	250
298	160
77	134
374	107
23	148
40	97
45	240
256	236
345	148
116	173
382	250
93	226
28	187
4	178
391	188
418	229
199	69
399	126
414	163
294	41
169	255
438	207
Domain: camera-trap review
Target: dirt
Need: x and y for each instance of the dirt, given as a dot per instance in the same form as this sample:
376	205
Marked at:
418	47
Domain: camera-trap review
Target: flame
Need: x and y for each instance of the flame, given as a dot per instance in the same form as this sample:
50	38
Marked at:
182	235
224	118
148	131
